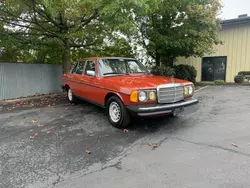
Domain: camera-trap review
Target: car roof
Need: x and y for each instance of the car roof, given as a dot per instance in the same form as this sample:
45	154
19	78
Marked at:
94	58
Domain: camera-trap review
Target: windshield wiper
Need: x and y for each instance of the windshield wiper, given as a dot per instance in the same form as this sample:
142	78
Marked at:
113	73
139	73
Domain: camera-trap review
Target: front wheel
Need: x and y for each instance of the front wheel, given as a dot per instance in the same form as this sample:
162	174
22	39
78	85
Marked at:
118	114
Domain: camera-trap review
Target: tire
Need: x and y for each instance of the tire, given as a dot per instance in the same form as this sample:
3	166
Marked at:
115	105
71	97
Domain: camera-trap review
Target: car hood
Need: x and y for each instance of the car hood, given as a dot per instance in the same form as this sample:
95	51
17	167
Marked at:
132	82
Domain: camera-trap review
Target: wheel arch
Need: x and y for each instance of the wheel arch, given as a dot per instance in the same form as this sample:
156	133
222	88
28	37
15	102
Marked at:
66	87
111	94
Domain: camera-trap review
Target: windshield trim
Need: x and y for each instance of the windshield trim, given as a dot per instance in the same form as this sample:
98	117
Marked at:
144	69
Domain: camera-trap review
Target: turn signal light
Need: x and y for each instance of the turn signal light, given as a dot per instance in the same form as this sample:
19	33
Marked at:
134	96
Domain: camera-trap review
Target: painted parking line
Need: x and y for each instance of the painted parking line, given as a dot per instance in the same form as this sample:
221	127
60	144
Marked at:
201	89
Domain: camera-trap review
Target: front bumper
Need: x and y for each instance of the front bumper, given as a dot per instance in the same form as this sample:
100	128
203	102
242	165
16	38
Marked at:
158	109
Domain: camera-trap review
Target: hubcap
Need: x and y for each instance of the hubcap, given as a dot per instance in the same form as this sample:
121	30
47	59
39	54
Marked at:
70	95
114	112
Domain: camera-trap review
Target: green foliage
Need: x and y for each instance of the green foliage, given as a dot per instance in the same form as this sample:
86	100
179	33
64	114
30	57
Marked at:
239	79
68	26
245	74
173	28
163	71
46	31
185	72
219	82
118	47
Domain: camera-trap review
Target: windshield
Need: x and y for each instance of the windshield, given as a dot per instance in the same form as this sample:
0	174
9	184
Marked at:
109	67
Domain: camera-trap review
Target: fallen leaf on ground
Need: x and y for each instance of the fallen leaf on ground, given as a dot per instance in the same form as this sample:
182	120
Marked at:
63	126
33	121
39	125
125	130
88	152
154	145
234	145
32	137
55	122
31	130
49	132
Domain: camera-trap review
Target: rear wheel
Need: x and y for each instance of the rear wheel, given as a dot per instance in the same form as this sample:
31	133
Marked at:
118	114
71	97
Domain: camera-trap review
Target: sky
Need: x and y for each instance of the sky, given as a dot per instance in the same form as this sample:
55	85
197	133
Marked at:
234	8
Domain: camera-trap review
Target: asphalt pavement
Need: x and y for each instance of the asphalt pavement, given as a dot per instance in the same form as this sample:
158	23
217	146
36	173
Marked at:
49	143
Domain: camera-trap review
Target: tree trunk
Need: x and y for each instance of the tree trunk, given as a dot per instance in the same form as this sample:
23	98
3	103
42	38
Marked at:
158	59
66	57
171	61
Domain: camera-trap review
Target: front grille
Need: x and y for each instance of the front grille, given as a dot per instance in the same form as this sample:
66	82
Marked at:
170	93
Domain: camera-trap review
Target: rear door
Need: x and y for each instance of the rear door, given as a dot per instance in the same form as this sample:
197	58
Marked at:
77	79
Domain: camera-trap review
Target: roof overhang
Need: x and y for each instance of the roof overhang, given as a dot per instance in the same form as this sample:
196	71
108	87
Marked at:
235	21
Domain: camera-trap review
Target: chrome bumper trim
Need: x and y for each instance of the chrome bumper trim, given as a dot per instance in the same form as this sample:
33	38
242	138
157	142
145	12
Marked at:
155	109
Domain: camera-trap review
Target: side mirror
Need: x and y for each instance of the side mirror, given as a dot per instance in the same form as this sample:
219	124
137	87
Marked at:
90	73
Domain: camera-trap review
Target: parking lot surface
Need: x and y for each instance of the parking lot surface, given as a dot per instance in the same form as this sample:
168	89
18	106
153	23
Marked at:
50	143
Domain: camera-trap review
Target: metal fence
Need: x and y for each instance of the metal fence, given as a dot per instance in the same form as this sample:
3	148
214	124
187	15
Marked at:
22	80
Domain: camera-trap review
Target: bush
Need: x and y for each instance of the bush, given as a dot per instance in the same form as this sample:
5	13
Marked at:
246	75
185	72
163	71
239	79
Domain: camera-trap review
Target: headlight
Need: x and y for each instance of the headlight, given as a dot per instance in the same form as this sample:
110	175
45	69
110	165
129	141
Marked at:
189	90
142	96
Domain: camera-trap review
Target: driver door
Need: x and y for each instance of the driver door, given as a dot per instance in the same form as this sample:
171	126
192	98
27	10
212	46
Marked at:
90	81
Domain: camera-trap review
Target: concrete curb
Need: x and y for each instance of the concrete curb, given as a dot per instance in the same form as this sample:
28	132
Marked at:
7	101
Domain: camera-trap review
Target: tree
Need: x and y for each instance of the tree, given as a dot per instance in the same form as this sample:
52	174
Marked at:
69	25
173	28
118	47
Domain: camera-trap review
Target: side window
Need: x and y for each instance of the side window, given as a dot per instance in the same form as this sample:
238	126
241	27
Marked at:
79	68
90	67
